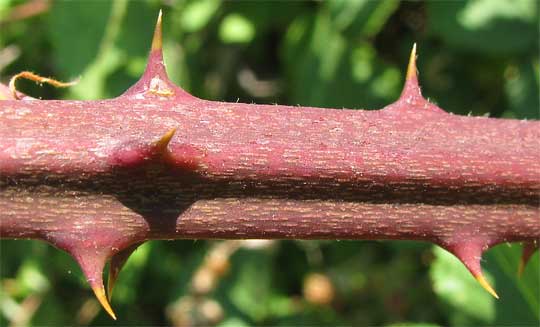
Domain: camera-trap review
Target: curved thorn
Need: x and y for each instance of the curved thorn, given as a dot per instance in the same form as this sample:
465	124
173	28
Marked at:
116	264
528	250
485	284
92	264
470	254
135	154
99	291
161	144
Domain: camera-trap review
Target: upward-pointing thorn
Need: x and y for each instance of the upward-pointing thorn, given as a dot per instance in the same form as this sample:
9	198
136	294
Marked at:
157	41
411	68
161	144
155	83
411	89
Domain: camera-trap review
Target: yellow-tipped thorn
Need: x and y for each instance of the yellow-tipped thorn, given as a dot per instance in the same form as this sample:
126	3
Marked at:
99	291
486	286
157	40
162	143
411	68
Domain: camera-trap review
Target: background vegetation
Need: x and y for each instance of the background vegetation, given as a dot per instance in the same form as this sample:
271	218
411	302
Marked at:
475	57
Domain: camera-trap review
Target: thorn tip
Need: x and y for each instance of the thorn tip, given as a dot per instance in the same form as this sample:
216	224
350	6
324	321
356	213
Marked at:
411	68
411	90
162	143
157	40
485	284
99	291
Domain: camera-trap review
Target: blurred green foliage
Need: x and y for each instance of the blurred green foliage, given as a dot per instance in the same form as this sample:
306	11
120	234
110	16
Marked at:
475	57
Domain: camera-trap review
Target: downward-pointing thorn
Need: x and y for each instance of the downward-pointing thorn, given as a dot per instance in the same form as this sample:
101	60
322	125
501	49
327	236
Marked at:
99	291
92	263
485	284
470	253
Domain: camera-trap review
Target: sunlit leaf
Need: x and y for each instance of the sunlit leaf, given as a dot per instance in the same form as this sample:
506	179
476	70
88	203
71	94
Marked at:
486	26
196	14
520	297
328	70
361	17
76	30
236	29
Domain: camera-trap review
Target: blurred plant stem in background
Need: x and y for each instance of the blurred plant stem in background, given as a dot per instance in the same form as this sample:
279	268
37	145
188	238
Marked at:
475	57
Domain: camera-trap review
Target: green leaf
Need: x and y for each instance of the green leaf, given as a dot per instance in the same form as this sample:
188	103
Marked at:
361	17
106	57
125	290
486	26
467	302
31	278
76	29
197	14
520	297
5	7
326	69
248	284
233	322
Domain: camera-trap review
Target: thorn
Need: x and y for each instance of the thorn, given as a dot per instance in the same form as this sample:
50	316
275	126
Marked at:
117	263
528	250
485	284
99	291
411	69
161	144
411	89
136	154
157	41
154	82
470	255
92	263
